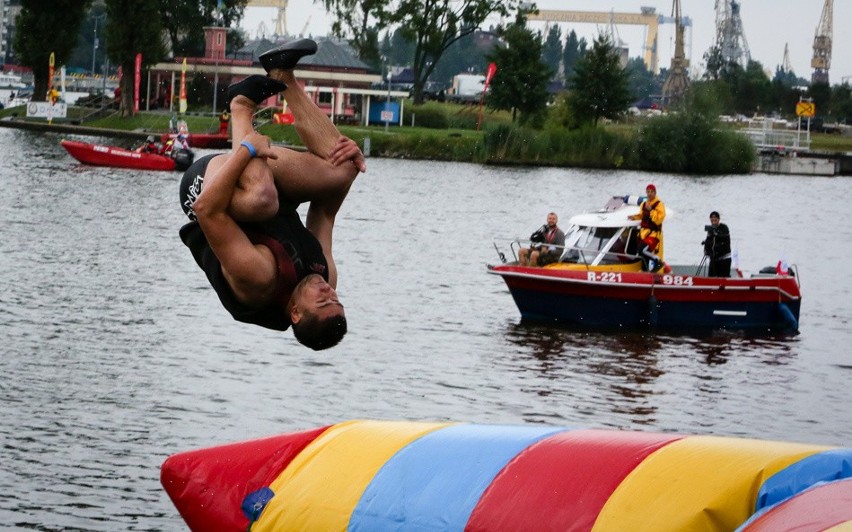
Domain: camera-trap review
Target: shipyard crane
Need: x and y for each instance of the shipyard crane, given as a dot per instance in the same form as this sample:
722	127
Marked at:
677	80
821	61
786	66
281	22
730	37
647	17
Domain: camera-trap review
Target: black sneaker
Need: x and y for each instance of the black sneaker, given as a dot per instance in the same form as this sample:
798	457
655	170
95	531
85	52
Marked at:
285	57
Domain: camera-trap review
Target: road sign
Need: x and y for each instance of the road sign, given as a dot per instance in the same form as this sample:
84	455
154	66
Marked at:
807	109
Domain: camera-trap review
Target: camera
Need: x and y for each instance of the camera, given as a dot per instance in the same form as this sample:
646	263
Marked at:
710	229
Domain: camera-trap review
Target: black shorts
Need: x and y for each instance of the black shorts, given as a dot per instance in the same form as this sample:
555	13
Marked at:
191	182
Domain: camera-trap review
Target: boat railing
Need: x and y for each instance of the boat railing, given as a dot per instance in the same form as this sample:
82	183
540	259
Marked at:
585	256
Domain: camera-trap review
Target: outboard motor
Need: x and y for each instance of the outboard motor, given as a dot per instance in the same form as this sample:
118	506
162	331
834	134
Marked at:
183	158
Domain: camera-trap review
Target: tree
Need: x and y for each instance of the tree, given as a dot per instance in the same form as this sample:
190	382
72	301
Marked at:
359	21
432	25
841	103
520	84
751	89
58	19
821	94
132	28
185	20
599	84
642	82
552	52
574	49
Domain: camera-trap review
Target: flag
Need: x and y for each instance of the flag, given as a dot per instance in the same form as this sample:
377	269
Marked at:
136	82
50	64
492	69
182	105
782	267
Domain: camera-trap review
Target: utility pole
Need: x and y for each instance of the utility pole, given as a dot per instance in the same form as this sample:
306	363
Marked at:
388	113
95	42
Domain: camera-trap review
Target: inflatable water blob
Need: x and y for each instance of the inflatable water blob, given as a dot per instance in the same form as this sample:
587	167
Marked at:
393	475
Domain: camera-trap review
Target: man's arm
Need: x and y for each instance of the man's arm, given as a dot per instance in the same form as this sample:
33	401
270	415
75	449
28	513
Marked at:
323	211
250	269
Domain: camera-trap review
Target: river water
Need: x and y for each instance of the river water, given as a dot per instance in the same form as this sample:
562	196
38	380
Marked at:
116	353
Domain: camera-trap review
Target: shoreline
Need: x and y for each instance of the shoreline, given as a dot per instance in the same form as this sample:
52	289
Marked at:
28	125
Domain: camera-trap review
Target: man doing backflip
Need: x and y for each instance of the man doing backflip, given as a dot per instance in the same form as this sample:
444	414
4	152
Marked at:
266	266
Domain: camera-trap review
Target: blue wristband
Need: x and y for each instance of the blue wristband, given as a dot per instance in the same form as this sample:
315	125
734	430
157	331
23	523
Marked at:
249	147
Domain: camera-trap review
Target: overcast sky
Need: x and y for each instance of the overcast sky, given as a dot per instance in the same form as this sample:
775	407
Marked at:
768	25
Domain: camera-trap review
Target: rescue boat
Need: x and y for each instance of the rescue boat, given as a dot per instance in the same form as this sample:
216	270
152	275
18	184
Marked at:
100	155
598	281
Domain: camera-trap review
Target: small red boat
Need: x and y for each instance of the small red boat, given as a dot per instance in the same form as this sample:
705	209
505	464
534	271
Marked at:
206	141
99	155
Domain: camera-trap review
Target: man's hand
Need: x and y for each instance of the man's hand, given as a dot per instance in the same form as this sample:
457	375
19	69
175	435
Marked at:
347	150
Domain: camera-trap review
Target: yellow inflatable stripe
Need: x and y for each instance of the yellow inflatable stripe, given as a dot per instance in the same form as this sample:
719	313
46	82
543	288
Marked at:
322	485
842	527
697	483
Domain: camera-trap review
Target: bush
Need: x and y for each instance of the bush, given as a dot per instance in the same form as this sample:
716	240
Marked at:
587	147
438	146
429	115
693	144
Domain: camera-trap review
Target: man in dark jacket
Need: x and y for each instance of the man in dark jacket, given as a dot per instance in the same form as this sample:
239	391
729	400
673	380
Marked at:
266	266
717	247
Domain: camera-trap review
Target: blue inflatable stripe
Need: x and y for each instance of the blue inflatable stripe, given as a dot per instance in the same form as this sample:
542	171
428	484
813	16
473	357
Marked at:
435	482
829	465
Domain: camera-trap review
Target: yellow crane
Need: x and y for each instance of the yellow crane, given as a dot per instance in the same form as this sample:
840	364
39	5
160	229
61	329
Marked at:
647	18
281	22
821	61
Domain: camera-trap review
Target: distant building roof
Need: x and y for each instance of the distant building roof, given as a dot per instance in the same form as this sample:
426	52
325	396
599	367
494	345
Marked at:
331	54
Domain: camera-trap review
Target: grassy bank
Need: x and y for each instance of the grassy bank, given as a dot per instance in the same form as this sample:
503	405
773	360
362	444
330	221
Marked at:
680	143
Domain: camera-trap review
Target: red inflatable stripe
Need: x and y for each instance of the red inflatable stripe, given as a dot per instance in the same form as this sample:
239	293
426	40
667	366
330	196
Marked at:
818	508
208	485
567	477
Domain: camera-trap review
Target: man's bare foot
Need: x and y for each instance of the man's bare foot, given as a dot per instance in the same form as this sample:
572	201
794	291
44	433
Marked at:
284	76
242	102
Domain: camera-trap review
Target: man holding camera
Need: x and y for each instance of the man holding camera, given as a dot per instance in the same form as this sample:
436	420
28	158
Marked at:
717	247
547	244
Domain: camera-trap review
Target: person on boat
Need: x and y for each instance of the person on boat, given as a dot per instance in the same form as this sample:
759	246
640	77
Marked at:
547	244
652	212
224	118
266	266
150	146
717	247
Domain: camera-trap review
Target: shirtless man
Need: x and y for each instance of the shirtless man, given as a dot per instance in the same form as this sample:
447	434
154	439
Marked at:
266	266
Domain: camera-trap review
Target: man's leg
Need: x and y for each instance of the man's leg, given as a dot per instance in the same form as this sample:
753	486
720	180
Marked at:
307	177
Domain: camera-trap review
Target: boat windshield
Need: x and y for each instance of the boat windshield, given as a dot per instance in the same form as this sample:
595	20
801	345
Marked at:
600	245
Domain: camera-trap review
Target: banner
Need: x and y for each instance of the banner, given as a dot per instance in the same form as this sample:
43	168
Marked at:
136	83
492	69
182	106
62	81
47	110
50	64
